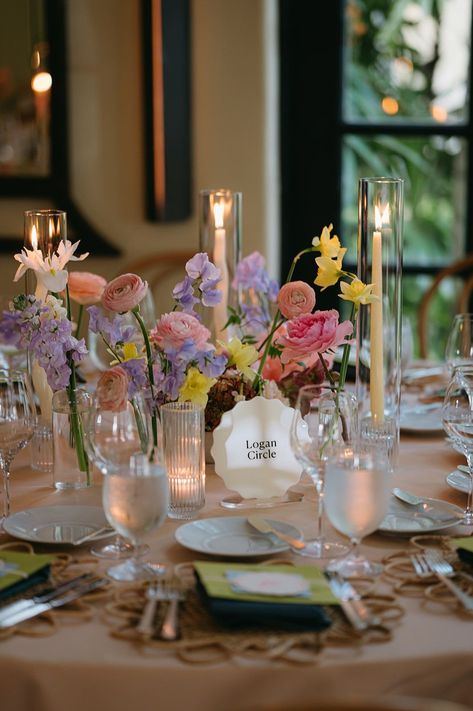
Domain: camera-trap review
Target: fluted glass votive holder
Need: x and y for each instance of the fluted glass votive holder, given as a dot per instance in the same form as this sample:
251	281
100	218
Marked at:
184	455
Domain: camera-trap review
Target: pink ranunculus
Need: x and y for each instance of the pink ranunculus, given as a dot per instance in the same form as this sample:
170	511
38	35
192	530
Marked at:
313	333
174	329
296	298
86	288
124	293
112	389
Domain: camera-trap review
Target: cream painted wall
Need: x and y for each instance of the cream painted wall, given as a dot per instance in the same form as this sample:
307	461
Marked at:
232	46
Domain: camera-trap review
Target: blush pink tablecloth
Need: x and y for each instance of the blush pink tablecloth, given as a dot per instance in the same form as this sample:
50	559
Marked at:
83	667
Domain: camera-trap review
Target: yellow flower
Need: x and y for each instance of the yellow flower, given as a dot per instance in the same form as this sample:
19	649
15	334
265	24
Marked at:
242	356
130	351
329	246
195	388
329	272
357	292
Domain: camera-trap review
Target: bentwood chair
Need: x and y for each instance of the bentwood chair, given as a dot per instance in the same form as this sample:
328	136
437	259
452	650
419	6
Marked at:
462	268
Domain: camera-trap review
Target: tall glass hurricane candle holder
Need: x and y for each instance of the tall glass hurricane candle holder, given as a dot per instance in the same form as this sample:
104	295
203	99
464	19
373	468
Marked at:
220	237
44	230
378	377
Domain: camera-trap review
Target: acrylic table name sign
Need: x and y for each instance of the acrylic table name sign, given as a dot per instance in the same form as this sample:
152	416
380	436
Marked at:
253	455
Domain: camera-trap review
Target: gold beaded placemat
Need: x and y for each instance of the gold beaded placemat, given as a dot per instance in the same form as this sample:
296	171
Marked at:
63	567
203	640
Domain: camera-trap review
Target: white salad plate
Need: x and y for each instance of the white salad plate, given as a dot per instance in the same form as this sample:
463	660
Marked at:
233	536
57	524
431	515
426	419
459	481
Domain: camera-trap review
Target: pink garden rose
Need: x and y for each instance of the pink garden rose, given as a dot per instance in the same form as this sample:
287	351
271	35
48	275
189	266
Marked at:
296	298
86	288
112	389
313	333
274	369
174	329
124	293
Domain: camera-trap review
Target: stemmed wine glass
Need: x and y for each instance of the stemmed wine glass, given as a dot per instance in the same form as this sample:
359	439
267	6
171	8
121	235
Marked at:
457	418
17	423
357	491
113	437
322	420
135	500
459	348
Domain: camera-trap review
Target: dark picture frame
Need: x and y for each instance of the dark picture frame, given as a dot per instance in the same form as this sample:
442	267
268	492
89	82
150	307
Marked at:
167	101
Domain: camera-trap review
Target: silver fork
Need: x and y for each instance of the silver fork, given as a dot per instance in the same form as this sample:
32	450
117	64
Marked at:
421	565
170	628
154	594
444	572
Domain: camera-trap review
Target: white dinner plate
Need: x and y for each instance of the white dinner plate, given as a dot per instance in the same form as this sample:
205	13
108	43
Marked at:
432	515
233	536
56	524
459	481
425	419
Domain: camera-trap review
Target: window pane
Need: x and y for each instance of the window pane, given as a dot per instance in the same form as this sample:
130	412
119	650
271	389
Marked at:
406	60
434	170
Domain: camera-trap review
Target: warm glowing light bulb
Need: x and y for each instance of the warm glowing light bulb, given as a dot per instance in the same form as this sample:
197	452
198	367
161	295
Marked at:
390	105
41	82
438	113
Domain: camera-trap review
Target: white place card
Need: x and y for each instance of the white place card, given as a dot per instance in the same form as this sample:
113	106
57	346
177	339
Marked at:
252	449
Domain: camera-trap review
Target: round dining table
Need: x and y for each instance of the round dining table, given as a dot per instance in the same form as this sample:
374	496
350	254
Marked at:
83	667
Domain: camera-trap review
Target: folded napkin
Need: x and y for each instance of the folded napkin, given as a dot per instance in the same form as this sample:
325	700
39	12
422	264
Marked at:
20	571
464	548
234	608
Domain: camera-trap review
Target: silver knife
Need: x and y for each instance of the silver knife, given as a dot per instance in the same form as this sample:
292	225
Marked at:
336	586
350	594
40	608
48	595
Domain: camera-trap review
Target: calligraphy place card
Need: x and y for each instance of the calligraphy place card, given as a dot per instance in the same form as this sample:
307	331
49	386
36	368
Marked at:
252	449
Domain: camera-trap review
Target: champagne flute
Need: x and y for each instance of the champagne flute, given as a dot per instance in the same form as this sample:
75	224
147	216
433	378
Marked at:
459	348
135	500
457	418
357	491
17	423
322	420
112	438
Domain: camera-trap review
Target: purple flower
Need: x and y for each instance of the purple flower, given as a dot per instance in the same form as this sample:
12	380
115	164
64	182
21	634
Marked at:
137	375
196	265
211	364
210	296
183	293
251	273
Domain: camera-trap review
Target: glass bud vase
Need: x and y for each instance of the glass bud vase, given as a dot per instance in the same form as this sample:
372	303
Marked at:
71	408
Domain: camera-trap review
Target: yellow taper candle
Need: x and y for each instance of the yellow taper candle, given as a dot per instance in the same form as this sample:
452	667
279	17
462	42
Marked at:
376	349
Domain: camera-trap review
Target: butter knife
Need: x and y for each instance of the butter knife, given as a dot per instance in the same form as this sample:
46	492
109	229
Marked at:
350	594
48	595
40	608
262	525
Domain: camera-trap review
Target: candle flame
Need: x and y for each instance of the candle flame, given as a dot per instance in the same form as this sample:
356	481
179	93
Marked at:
218	215
381	217
34	238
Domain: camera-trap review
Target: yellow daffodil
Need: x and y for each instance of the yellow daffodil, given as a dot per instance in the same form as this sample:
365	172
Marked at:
242	356
130	351
329	246
358	292
329	271
195	388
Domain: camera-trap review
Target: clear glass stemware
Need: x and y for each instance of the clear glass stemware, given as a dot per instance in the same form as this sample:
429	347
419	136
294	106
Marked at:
457	417
358	486
323	419
135	500
112	439
459	348
17	423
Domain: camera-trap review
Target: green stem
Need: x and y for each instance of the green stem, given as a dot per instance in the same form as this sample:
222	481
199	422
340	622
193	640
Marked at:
327	372
154	422
140	427
79	320
347	348
75	418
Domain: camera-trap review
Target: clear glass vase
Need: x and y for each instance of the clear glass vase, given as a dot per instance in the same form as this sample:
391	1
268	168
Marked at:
71	408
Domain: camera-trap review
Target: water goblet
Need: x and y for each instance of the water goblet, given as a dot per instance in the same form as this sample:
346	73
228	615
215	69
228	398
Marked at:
112	438
357	491
457	418
135	501
459	347
323	419
17	423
